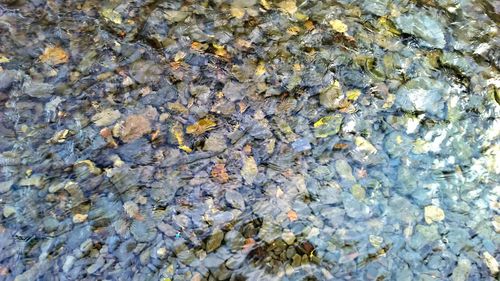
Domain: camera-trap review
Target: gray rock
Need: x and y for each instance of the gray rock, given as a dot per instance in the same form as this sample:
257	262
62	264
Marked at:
96	265
156	28
7	78
234	91
68	263
50	224
354	208
424	27
143	231
423	94
377	7
301	145
213	261
344	170
222	218
6	185
235	199
38	89
462	270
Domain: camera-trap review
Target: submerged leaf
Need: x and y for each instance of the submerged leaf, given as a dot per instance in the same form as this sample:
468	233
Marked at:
338	26
219	173
111	15
54	55
260	69
328	126
288	6
201	126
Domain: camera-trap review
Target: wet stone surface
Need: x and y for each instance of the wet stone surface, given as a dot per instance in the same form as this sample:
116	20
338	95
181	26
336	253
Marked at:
249	140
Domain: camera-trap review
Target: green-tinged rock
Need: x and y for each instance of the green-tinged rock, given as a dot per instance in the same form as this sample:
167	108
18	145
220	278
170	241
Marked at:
331	96
423	94
6	185
215	240
328	126
424	27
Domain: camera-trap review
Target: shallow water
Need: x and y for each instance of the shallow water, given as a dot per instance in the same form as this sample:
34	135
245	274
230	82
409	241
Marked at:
249	140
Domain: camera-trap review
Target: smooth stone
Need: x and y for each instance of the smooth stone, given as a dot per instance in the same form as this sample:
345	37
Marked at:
424	27
6	185
288	237
215	240
462	270
235	199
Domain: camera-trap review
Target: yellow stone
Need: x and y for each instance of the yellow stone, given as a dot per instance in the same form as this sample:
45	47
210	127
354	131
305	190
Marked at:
237	12
491	262
288	6
260	69
353	94
79	218
433	214
338	26
111	15
265	4
4	59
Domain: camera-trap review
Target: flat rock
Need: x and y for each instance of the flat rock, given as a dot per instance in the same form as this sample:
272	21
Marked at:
423	26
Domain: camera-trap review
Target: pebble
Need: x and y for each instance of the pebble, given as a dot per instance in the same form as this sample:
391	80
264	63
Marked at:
235	199
491	262
288	237
8	211
68	263
433	214
5	186
79	218
215	240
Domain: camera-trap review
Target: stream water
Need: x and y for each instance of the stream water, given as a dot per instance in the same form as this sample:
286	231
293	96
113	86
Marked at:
249	140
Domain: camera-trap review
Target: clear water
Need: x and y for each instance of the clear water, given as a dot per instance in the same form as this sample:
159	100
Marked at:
249	140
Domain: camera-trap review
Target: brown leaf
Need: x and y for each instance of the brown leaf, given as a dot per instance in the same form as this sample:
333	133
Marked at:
135	127
219	173
54	55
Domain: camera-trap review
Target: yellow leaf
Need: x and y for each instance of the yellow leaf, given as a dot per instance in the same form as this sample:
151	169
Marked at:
219	50
323	121
54	55
309	25
265	4
111	15
180	55
199	46
177	133
353	94
185	148
288	6
4	59
237	12
261	69
293	30
201	126
338	26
